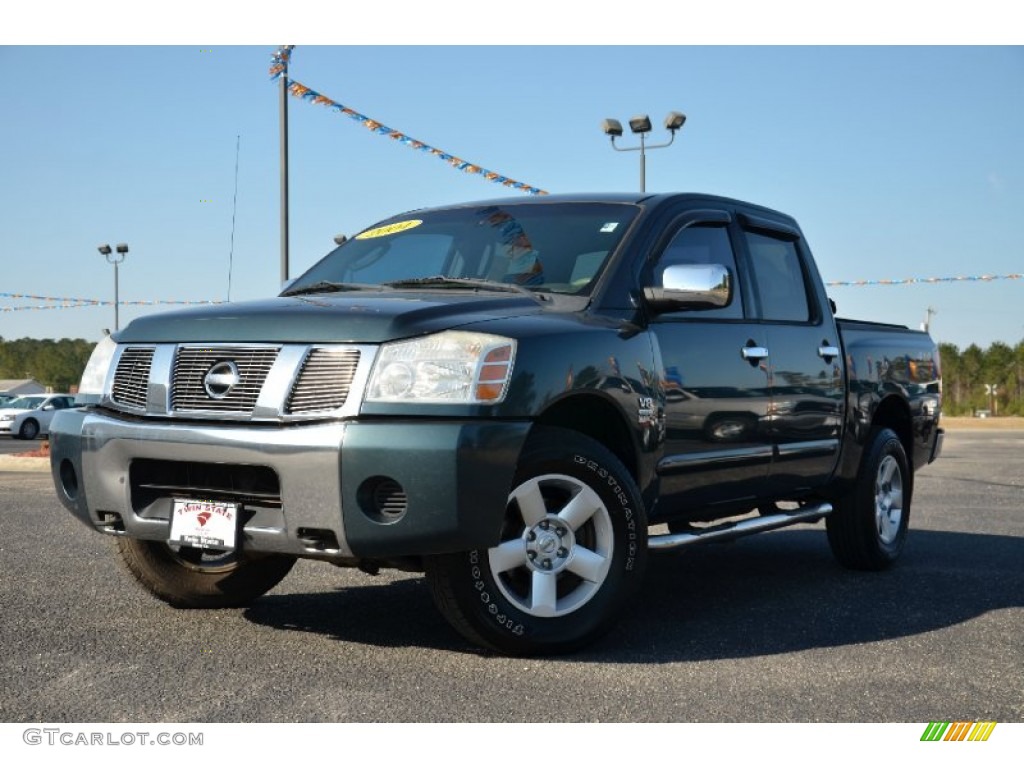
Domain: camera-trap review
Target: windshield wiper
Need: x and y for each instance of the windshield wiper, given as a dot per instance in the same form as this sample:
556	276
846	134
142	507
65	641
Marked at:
440	281
324	286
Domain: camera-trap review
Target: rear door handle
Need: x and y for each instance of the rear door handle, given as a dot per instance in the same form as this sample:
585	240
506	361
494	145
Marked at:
826	352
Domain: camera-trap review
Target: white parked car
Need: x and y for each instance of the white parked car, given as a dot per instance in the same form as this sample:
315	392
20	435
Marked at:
30	416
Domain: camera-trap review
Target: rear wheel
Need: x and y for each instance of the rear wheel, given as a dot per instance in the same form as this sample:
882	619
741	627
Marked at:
186	577
572	550
868	529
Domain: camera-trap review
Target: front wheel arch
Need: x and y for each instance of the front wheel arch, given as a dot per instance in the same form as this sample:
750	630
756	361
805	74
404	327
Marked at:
572	551
595	415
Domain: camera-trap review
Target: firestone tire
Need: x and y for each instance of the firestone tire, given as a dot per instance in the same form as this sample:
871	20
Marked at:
573	549
868	529
192	578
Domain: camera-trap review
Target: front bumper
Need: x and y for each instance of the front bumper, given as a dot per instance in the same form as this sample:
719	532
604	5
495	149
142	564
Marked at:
338	490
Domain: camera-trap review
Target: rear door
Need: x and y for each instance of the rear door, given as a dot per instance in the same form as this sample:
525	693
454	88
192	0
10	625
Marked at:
805	367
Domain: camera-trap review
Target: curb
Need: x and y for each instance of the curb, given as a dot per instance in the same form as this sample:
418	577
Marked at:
24	464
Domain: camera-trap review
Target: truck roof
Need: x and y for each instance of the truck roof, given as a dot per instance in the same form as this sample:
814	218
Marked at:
652	200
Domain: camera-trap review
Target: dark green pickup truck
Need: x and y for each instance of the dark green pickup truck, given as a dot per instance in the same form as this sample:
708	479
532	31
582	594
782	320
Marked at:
521	398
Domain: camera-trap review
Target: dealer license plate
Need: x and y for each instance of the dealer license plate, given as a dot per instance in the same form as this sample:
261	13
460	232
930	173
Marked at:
204	524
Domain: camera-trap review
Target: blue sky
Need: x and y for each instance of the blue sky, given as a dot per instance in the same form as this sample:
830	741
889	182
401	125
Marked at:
898	162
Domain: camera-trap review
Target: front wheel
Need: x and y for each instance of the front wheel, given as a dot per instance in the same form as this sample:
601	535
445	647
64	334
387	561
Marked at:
186	577
572	550
868	529
29	430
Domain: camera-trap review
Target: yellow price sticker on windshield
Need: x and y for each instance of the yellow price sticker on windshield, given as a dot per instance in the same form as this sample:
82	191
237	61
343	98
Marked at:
389	229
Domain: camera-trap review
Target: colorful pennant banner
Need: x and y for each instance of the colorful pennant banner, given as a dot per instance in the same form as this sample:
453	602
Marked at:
926	280
63	302
282	56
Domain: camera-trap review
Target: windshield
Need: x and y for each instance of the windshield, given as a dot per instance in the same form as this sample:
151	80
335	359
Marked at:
557	247
28	403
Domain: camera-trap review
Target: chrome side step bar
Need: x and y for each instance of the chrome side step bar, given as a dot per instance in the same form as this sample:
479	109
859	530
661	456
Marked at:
809	514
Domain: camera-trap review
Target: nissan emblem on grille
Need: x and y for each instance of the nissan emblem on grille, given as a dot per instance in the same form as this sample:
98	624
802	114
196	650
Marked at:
221	379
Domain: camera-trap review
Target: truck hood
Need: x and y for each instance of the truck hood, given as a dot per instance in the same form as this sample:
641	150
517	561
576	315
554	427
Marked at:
363	317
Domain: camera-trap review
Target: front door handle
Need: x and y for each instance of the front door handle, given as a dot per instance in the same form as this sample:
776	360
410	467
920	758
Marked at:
826	352
753	354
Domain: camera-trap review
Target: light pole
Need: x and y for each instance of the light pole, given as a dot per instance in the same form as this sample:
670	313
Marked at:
641	124
122	252
283	115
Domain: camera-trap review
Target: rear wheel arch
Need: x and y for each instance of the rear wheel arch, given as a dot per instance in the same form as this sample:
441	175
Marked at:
868	528
894	413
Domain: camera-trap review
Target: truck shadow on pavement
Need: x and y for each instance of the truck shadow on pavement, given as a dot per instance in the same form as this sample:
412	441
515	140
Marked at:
770	594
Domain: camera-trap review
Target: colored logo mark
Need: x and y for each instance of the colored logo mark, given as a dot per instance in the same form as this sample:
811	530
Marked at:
958	731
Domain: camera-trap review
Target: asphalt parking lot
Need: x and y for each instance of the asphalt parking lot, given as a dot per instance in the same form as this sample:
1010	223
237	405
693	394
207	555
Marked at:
765	629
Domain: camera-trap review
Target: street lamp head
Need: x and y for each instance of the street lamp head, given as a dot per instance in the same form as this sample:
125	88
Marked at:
674	121
611	127
122	247
640	124
104	249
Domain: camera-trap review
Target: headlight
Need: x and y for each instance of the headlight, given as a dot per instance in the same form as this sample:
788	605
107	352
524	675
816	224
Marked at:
448	367
6	417
95	375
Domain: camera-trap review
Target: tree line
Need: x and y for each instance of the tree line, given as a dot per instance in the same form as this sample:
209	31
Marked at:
978	379
55	364
973	379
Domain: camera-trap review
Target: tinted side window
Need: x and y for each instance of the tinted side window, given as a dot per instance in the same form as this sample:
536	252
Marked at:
703	244
780	279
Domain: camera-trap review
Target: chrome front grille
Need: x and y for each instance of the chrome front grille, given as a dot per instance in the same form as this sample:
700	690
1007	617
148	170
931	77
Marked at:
131	377
192	364
324	381
240	382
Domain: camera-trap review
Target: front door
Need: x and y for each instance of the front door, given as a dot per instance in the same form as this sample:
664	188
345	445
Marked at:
717	448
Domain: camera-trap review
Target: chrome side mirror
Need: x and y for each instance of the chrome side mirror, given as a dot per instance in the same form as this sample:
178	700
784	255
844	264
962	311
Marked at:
691	286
